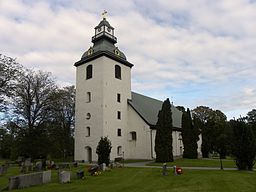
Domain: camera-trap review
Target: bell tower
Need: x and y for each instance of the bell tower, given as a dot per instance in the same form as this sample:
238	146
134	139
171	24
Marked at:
103	86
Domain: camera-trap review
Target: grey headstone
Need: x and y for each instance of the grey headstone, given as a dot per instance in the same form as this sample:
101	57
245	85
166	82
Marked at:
3	169
28	162
30	179
164	171
26	180
103	166
39	165
13	183
64	176
47	176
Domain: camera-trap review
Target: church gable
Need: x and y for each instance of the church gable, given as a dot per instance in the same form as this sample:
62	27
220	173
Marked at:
148	109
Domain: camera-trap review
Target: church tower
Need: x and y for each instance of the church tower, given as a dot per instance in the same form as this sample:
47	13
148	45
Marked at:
103	86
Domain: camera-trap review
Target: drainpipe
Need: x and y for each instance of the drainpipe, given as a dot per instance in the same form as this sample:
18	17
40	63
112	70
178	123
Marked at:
151	143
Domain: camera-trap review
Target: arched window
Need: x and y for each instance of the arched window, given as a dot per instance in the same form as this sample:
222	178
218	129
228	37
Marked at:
88	116
117	72
119	132
89	72
88	132
118	98
88	97
118	114
119	150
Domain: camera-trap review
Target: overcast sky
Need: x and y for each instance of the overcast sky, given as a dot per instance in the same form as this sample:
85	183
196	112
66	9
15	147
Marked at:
199	52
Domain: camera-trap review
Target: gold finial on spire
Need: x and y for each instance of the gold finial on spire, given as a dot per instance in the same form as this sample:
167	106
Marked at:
104	14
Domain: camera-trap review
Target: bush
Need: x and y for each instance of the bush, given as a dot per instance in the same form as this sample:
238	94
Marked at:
103	150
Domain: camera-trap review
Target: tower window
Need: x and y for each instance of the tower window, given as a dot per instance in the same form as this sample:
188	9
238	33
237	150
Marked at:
118	114
88	97
88	132
117	72
118	97
89	72
88	116
119	150
119	133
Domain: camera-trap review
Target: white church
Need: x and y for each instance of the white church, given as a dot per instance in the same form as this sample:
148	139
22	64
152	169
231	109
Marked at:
106	106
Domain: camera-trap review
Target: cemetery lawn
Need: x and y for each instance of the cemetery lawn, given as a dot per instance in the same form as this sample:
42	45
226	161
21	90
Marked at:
227	163
148	180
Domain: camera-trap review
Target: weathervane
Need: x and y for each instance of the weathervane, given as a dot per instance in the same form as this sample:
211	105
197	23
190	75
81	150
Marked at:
104	14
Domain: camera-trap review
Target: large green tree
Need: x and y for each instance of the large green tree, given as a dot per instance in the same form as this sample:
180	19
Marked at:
251	119
61	124
33	97
203	114
251	116
31	102
163	140
213	129
9	73
103	150
244	145
189	136
37	115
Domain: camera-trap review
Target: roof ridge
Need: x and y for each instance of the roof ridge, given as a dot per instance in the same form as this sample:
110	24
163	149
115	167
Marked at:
147	96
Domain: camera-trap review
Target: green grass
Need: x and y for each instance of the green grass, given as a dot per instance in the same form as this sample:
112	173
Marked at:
198	163
150	179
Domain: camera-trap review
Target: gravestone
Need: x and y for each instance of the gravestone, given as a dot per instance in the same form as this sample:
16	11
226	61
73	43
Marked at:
3	169
20	160
28	165
64	176
103	167
165	173
80	174
28	162
23	167
13	183
27	180
174	170
39	166
31	179
47	176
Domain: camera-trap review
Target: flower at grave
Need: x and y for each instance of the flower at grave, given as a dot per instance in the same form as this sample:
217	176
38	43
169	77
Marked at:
97	173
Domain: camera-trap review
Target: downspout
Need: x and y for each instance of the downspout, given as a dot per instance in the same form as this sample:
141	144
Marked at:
151	143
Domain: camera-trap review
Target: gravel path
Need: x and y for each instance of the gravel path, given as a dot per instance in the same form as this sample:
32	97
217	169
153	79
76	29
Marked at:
143	164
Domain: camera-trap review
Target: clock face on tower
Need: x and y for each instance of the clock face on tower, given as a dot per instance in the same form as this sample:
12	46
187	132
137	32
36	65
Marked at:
109	30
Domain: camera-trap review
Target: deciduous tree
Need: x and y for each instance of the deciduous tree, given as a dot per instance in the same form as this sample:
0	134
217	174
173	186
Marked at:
214	124
31	102
61	124
9	73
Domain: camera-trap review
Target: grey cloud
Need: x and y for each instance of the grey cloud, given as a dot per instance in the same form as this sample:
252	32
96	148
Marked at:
210	44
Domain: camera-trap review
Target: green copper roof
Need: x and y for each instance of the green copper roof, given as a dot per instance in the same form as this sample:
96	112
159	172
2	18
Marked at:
104	44
148	109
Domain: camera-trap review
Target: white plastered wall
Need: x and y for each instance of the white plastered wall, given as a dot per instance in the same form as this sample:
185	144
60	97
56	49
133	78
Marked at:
103	107
141	147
